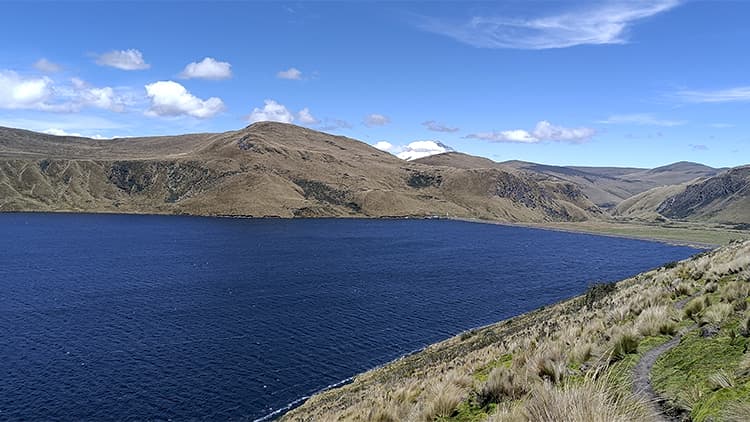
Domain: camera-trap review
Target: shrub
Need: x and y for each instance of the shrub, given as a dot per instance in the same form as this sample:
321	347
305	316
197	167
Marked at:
693	308
597	292
502	383
711	287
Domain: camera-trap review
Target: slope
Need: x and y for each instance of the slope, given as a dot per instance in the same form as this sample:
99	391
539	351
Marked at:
266	169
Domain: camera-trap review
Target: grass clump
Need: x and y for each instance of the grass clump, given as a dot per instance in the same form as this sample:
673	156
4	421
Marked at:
716	314
693	308
502	384
656	320
623	344
443	401
590	401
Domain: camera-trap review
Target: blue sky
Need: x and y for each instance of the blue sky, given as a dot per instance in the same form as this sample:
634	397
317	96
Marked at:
575	83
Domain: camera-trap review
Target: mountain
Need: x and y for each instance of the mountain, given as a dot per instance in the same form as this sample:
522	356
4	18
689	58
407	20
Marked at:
723	199
265	169
607	187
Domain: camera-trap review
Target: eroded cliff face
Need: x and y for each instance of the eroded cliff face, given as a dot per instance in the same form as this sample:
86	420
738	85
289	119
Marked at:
709	197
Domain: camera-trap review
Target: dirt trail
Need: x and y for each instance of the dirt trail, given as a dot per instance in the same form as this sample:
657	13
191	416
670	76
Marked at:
642	377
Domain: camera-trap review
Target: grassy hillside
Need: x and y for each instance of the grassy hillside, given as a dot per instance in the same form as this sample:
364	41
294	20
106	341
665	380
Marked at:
721	199
266	169
672	341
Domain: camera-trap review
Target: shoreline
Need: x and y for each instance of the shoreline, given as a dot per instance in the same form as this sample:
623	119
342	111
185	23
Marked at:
623	230
590	231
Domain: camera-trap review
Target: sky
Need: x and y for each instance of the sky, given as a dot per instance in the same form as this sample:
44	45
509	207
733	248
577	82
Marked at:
603	83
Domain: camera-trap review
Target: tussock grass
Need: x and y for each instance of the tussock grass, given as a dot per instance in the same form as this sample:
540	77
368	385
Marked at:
721	379
502	384
717	313
693	308
590	401
623	343
737	412
656	320
442	401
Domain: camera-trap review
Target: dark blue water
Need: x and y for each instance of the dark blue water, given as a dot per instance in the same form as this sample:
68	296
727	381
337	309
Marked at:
106	317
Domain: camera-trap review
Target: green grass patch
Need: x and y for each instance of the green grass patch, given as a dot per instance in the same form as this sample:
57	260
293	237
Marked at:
469	411
483	373
684	373
619	373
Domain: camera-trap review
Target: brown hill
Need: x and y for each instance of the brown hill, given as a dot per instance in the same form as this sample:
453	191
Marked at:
266	169
605	186
723	199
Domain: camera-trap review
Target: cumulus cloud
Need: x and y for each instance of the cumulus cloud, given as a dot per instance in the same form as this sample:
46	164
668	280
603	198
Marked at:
438	127
131	59
543	131
42	93
17	92
271	112
208	68
46	66
420	149
376	120
383	145
169	98
593	24
305	117
643	119
729	95
291	74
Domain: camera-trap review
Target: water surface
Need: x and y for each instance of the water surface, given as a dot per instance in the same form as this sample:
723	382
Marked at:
112	317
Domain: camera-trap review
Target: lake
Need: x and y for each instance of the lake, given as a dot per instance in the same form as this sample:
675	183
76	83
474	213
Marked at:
112	317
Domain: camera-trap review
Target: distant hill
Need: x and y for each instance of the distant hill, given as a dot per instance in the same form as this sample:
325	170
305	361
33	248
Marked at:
724	198
607	187
266	169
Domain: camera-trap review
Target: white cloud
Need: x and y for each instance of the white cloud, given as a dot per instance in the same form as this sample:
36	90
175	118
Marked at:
61	132
17	92
271	112
644	119
131	59
330	125
46	66
208	68
44	94
291	74
543	131
438	127
420	149
168	98
84	95
730	95
376	120
306	117
383	145
66	122
594	24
